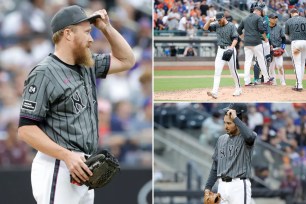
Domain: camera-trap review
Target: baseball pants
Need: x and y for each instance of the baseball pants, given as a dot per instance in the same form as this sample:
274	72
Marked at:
298	50
50	180
249	52
235	192
219	64
277	63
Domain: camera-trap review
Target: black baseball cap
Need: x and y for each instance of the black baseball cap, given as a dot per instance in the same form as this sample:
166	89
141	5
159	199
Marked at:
273	15
219	16
70	15
238	107
258	8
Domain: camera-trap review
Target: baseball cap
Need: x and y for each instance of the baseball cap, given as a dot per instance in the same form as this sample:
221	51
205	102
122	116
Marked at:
294	11
239	107
70	15
258	8
219	16
273	15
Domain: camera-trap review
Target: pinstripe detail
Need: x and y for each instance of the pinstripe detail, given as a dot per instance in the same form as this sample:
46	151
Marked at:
295	28
235	68
245	194
54	181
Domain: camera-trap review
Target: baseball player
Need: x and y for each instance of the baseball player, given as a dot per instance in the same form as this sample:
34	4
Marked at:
58	114
232	158
277	41
295	28
227	39
253	32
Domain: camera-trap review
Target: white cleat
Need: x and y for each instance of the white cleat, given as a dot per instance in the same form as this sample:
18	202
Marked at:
283	84
214	95
237	92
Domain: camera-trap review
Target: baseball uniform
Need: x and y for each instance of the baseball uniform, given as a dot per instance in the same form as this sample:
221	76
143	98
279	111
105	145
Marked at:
225	36
278	40
295	28
62	100
253	30
232	165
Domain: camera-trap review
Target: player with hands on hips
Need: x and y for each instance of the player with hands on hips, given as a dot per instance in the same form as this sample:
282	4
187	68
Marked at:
295	28
232	158
58	115
278	43
227	37
253	33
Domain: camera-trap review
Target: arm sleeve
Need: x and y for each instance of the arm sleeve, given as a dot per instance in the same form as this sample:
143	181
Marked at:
260	25
248	135
102	64
212	178
26	121
240	28
286	29
234	33
283	36
37	95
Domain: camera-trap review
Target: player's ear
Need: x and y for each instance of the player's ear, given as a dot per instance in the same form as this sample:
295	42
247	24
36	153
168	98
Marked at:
68	34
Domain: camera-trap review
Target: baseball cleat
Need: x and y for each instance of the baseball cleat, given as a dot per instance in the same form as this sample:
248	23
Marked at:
237	92
209	93
297	89
257	82
268	83
250	84
283	84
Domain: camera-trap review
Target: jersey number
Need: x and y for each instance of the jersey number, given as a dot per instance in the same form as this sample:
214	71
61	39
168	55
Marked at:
299	27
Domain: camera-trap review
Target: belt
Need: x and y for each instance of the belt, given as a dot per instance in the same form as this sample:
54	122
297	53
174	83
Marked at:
229	179
223	46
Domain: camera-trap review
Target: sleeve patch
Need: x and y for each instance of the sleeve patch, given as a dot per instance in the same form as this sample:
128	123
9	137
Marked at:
32	89
28	105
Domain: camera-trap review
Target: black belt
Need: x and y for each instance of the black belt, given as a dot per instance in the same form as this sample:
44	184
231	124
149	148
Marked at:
223	46
229	179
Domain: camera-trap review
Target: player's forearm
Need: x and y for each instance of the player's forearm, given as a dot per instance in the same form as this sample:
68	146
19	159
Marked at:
207	24
212	178
120	48
36	138
234	43
248	135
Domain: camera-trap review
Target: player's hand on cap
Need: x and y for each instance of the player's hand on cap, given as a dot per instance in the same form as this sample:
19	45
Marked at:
102	22
232	113
212	19
77	168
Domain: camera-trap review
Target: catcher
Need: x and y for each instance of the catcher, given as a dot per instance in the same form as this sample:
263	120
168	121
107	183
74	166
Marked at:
227	39
58	114
232	160
277	40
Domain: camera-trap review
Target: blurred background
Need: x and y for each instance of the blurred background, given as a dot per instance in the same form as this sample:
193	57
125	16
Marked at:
125	99
185	135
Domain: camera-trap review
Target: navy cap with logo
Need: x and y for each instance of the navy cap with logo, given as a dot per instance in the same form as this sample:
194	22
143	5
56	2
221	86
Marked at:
241	108
70	15
273	15
219	16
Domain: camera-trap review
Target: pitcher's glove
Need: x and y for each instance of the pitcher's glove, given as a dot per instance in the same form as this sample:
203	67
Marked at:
278	52
227	55
103	166
211	197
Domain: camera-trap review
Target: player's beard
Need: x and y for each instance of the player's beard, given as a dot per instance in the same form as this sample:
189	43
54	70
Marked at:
83	56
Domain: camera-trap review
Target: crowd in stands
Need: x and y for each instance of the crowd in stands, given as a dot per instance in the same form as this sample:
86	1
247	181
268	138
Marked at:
125	100
280	125
187	17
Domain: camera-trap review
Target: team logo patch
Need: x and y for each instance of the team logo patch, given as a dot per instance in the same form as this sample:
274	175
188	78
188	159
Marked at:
77	102
28	105
32	89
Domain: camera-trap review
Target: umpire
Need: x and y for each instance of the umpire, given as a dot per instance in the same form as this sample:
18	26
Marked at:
58	114
232	158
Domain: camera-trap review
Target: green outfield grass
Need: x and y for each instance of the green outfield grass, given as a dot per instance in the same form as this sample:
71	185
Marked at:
174	84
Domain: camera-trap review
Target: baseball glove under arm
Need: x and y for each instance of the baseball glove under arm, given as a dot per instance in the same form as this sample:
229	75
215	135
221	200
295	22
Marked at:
278	52
227	55
211	198
103	166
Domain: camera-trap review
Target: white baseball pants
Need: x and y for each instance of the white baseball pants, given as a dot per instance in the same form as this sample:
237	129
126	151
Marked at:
298	50
277	63
249	52
219	64
235	192
50	180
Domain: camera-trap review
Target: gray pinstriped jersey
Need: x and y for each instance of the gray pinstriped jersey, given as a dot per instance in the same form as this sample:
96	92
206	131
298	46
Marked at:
233	155
65	102
295	27
276	34
225	34
253	29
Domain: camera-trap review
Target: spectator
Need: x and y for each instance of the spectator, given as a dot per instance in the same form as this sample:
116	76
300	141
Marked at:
190	51
173	19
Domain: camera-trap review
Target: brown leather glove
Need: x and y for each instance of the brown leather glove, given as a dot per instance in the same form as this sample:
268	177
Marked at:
211	197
